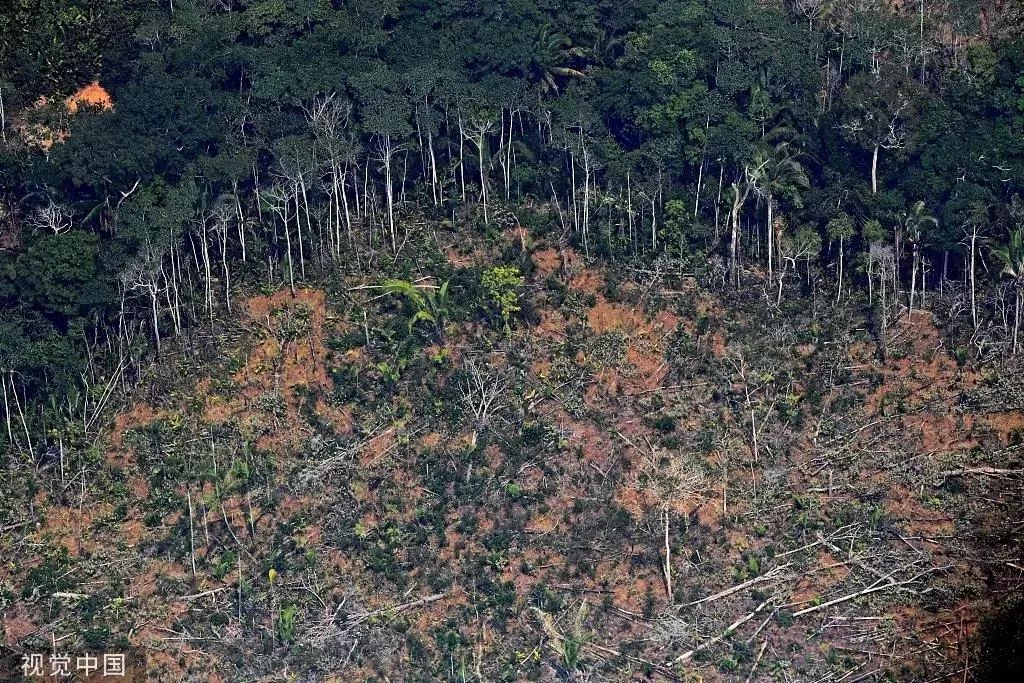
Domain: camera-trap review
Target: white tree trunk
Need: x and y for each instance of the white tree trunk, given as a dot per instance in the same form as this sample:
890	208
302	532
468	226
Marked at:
874	171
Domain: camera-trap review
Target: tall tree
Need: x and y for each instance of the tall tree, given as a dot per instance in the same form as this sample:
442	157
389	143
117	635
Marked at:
780	175
881	110
1011	257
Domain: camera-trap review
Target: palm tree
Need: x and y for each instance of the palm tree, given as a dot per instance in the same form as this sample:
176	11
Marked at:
781	174
1011	256
912	224
431	304
553	53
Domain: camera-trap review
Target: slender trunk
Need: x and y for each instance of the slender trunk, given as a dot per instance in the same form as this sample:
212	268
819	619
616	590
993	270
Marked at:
438	201
974	302
839	289
1016	317
586	198
389	192
734	219
718	200
344	201
224	266
7	413
366	190
703	160
480	141
668	558
3	118
782	276
572	180
509	157
945	270
154	300
871	280
256	189
882	280
173	300
241	222
771	236
654	225
288	246
462	159
629	209
298	228
207	271
924	283
21	414
913	278
874	171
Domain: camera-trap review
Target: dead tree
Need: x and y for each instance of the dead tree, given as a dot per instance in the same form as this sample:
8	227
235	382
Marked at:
278	198
673	479
484	393
882	264
328	119
476	132
53	217
144	274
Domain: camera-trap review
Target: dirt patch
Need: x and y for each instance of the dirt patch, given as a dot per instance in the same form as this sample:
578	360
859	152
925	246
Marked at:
140	415
548	262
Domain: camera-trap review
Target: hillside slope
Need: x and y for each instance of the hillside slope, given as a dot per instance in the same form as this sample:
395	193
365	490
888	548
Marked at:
338	493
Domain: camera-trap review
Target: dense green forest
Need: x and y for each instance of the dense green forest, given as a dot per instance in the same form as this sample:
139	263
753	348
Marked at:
835	164
280	141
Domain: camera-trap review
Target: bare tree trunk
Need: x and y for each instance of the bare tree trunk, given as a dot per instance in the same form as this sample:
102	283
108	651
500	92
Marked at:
480	141
256	189
7	413
654	224
974	301
885	335
1016	317
572	181
224	265
586	196
21	414
344	202
839	288
913	278
281	208
298	227
703	161
207	269
771	236
438	201
387	152
668	558
462	158
734	245
154	303
874	171
629	209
